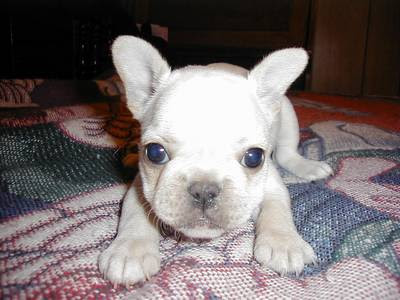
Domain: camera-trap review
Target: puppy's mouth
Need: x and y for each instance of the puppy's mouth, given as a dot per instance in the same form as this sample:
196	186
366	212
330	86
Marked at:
202	221
202	228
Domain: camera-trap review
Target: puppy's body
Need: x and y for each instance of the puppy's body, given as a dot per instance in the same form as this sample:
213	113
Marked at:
204	159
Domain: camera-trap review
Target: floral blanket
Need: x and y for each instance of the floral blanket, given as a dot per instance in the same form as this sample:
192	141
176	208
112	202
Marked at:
62	182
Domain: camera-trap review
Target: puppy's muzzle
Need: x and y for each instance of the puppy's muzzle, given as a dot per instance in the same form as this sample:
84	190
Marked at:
204	194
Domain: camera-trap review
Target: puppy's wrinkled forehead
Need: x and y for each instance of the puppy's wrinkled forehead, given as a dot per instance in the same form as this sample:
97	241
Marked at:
206	103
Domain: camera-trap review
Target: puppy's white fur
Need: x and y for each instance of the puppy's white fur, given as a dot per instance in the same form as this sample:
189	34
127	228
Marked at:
206	118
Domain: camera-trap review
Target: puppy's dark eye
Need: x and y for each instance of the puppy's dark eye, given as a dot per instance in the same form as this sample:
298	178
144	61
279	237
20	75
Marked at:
156	153
253	158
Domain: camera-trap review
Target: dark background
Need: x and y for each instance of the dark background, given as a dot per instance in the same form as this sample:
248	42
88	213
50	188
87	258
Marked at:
354	45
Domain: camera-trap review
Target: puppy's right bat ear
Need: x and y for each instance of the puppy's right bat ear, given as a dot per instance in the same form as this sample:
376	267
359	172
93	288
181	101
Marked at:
142	70
275	73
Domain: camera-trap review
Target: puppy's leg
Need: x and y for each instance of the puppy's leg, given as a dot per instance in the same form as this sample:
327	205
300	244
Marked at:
286	148
134	254
277	244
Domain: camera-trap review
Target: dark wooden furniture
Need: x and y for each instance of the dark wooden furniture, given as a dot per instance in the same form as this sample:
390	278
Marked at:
233	31
234	23
61	38
355	47
382	56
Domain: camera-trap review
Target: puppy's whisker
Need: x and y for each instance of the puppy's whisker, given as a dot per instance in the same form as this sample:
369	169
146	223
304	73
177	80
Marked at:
161	226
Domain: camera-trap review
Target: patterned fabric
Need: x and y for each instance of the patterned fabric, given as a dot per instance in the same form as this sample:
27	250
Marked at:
17	93
62	182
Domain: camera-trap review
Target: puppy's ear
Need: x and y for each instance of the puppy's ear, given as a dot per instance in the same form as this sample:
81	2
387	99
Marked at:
141	68
276	72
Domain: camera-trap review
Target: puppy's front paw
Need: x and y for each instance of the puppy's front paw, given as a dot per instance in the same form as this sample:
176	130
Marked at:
283	252
128	261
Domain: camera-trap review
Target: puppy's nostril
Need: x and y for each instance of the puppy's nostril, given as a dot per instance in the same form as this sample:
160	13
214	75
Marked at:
204	194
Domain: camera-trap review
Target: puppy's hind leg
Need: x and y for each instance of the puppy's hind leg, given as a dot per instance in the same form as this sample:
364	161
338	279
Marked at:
286	148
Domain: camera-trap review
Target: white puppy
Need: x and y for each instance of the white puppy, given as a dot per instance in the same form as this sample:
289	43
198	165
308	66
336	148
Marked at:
208	133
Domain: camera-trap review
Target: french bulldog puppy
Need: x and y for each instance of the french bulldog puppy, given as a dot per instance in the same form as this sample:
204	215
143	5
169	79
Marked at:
210	137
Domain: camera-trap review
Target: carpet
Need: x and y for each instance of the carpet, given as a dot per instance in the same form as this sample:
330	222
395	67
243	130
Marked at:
62	182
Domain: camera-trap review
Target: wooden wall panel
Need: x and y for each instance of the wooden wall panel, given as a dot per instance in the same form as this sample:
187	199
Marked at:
338	46
233	23
382	66
271	15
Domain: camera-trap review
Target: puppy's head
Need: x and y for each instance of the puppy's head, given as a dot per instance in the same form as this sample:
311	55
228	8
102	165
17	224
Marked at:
207	133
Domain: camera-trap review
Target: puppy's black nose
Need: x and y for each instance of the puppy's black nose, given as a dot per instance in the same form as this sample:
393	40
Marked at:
204	194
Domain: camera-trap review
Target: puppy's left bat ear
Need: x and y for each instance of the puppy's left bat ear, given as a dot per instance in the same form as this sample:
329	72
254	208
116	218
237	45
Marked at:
142	69
276	72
